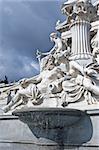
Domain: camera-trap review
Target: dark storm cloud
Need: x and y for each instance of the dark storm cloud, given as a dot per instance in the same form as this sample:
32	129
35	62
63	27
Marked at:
25	26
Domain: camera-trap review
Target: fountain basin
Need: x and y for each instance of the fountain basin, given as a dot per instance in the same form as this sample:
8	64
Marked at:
58	126
50	118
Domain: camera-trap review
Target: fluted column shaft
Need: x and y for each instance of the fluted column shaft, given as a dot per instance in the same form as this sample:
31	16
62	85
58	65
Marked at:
80	40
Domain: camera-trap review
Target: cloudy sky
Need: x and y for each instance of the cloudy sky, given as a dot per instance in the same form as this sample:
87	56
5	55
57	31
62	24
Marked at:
25	26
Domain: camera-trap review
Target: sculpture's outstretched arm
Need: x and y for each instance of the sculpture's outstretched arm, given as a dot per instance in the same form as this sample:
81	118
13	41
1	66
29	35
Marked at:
53	49
50	52
89	85
75	65
34	80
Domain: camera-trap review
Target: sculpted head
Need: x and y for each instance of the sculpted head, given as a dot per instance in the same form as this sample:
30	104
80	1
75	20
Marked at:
53	36
23	83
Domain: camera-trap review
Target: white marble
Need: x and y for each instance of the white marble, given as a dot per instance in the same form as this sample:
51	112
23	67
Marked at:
69	72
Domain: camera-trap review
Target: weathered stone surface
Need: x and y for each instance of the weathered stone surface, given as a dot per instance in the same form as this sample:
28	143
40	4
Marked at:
76	130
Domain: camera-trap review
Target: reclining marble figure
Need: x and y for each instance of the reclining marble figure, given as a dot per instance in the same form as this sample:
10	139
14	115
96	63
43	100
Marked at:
81	85
36	87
